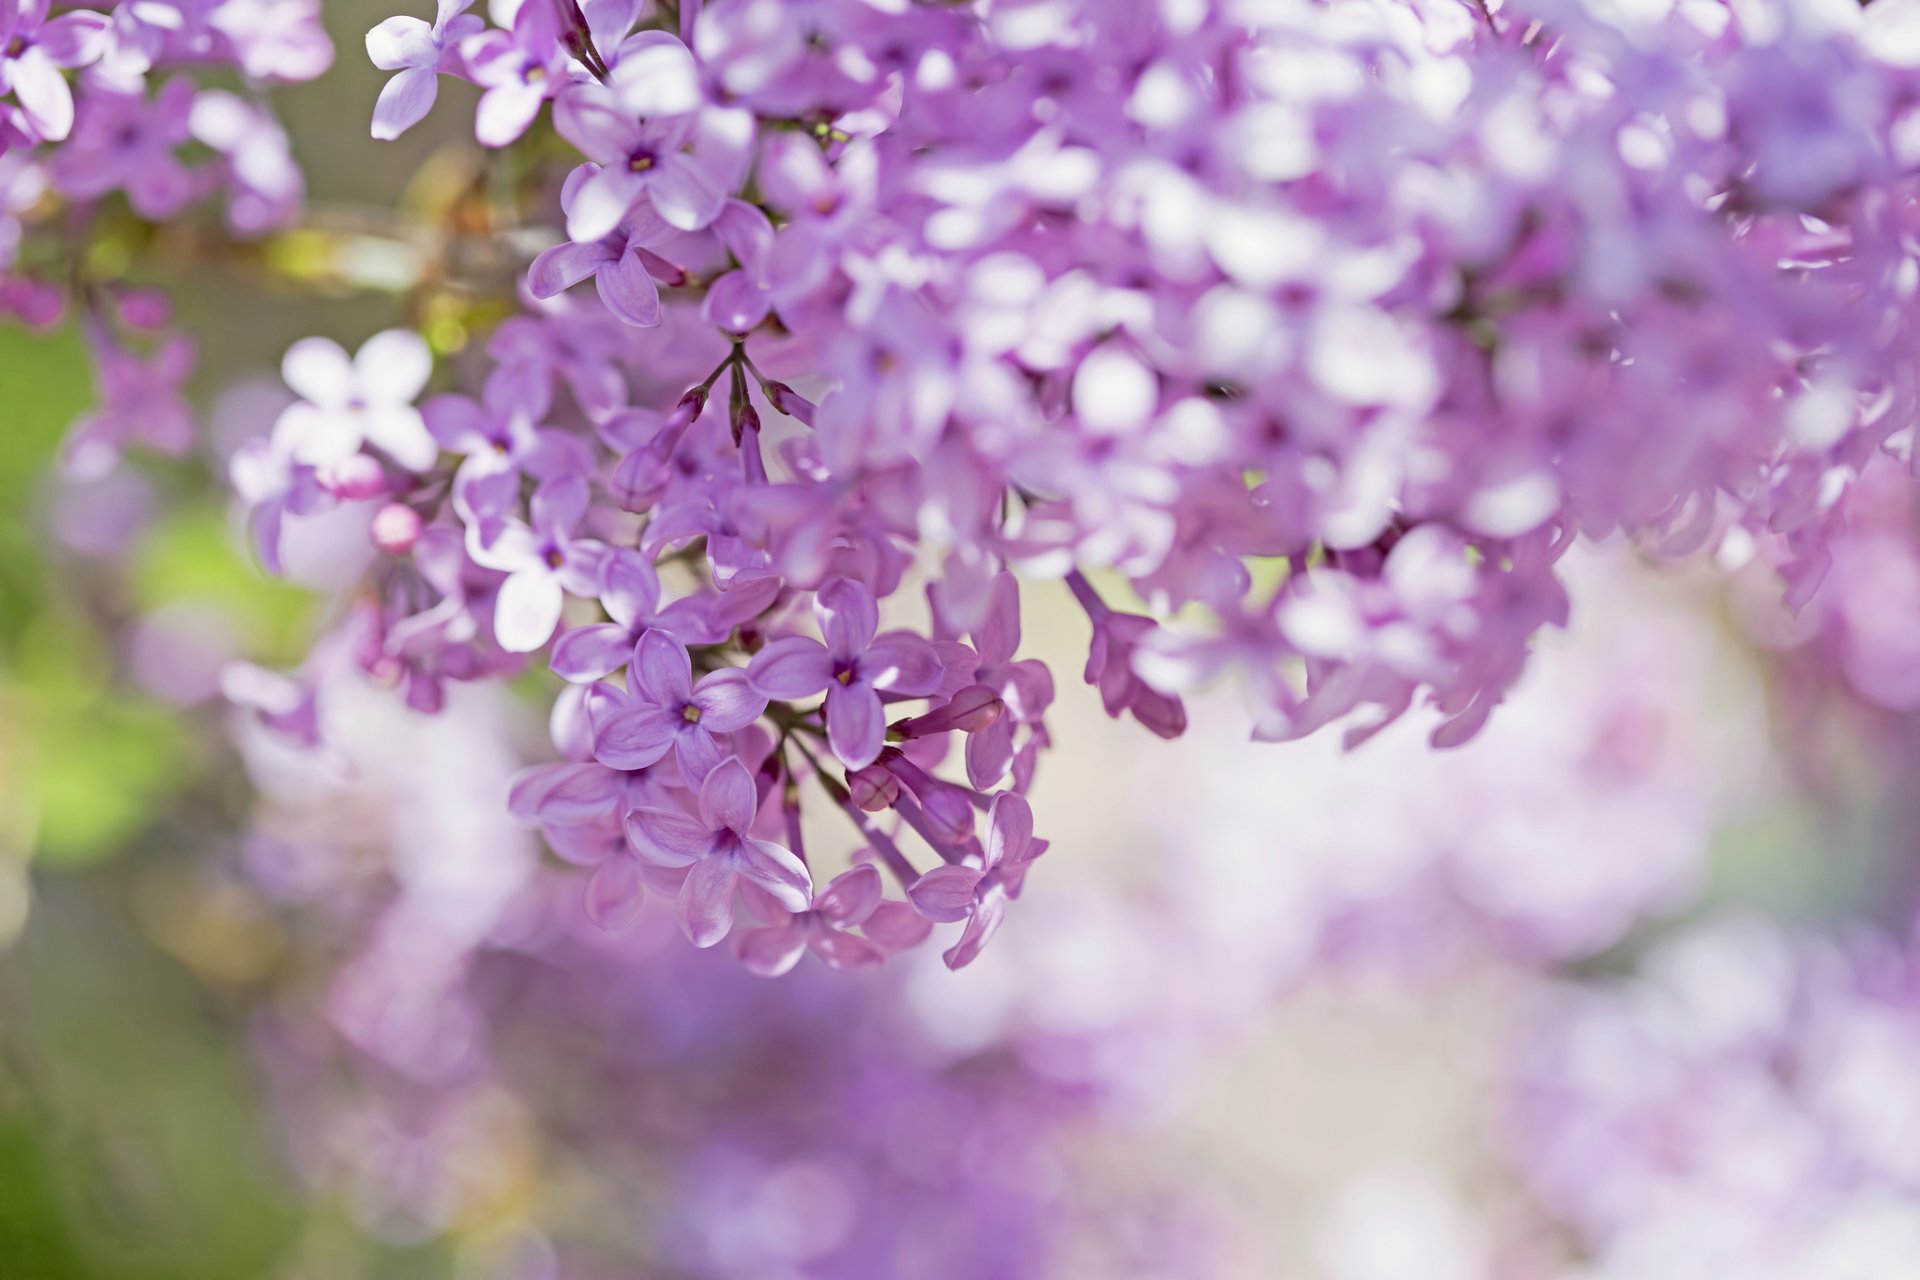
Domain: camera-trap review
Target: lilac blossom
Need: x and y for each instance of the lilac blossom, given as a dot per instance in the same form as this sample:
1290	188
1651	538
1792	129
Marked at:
543	561
35	49
351	402
853	668
979	895
420	53
716	845
667	710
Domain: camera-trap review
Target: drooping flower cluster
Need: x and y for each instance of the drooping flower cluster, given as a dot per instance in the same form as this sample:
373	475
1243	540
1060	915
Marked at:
1321	331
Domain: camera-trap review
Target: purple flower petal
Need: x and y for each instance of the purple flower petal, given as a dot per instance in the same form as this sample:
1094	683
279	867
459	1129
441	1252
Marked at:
728	701
632	589
564	793
989	752
637	737
629	291
791	668
699	753
588	653
856	724
897	926
735	303
669	838
404	102
981	926
614	893
402	42
526	611
705	906
776	870
945	894
902	662
565	265
770	952
851	896
848	617
662	670
1009	829
846	952
505	111
728	799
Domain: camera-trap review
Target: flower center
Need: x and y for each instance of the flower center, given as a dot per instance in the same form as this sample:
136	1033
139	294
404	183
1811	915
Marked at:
640	161
844	675
554	557
16	46
690	713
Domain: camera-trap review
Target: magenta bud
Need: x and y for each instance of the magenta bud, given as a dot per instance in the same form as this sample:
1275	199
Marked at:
970	710
355	479
873	788
145	308
790	402
395	528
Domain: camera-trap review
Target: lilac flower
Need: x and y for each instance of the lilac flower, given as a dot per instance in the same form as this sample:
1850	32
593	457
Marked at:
665	710
503	437
350	403
420	53
715	844
659	159
979	895
853	668
630	594
121	141
852	900
543	561
519	70
617	262
33	51
140	402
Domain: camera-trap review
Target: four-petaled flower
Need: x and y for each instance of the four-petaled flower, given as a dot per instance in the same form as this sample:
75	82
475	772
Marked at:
852	900
715	844
363	400
854	667
543	562
979	895
665	710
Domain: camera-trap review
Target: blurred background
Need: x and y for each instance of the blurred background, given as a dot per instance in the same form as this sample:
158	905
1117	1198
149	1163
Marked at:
1624	988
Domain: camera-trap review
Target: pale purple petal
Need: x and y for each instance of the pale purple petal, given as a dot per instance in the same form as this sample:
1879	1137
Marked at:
897	926
632	588
636	737
392	367
654	75
614	893
998	635
846	952
402	434
588	653
790	668
1009	829
728	799
856	724
705	906
945	894
565	265
727	701
630	292
662	670
981	926
602	201
851	896
902	662
564	793
505	111
698	752
43	94
735	303
776	870
772	951
685	194
404	102
319	371
527	611
848	617
402	42
667	837
989	752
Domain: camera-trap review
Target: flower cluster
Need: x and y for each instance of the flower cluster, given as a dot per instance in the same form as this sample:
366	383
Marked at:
1322	332
102	111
